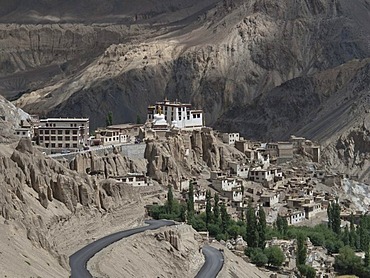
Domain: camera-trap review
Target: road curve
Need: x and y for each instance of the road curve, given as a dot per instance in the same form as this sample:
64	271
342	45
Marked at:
78	261
213	264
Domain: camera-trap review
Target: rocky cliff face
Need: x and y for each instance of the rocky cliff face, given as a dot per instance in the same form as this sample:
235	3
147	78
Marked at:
38	192
186	155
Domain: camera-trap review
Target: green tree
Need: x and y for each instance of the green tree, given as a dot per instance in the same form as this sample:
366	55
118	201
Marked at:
346	236
109	118
261	227
183	212
347	262
190	202
275	256
258	257
252	229
307	271
363	233
282	225
216	209
367	257
138	119
335	214
225	217
330	219
352	233
169	200
208	208
301	249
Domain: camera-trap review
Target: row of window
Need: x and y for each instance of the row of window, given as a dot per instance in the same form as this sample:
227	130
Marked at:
53	131
54	125
60	145
58	138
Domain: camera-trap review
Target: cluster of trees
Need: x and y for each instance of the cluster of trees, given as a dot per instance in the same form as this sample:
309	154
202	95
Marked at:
272	256
254	230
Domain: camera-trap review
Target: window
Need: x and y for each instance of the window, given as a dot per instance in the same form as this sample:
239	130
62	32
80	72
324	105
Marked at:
60	131
67	138
53	145
47	125
41	131
46	131
67	145
52	131
74	145
60	145
52	138
67	131
74	138
60	138
74	131
47	138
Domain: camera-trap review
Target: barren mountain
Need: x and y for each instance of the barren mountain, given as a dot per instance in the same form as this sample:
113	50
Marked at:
264	68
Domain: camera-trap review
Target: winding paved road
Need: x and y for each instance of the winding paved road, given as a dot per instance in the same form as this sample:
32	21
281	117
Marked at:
213	264
78	261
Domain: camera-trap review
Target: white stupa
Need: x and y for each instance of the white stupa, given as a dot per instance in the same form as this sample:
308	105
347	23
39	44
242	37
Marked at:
159	122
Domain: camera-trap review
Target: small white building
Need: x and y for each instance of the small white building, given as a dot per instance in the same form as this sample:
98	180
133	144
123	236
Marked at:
270	199
311	209
177	114
261	175
109	137
134	179
295	217
239	169
23	132
226	184
230	138
199	195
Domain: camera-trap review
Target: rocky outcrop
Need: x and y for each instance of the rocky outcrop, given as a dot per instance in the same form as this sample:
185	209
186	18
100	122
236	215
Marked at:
112	164
350	153
185	155
35	187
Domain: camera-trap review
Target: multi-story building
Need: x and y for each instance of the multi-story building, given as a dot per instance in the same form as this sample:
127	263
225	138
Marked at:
226	184
230	138
177	114
63	133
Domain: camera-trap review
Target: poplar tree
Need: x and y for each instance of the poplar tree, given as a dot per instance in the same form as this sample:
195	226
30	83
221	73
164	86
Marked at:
169	200
261	227
225	217
208	208
252	231
190	202
216	209
301	249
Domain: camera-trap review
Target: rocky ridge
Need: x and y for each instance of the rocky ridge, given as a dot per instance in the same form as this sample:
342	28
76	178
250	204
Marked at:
182	156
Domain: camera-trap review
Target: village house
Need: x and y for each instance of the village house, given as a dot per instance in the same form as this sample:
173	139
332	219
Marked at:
109	137
235	195
217	174
239	169
269	199
265	176
230	138
226	184
176	114
134	179
295	217
63	133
